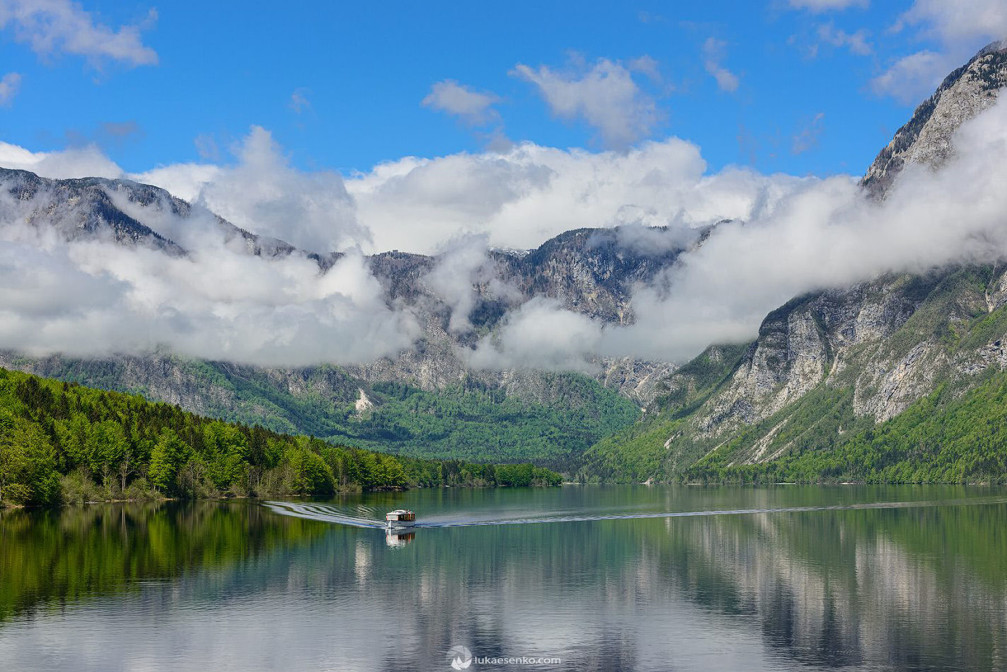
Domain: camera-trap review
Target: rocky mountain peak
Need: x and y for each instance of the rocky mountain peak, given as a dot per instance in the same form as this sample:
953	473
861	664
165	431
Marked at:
926	138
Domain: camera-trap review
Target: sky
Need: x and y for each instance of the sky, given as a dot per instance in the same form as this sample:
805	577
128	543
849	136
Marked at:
805	87
451	129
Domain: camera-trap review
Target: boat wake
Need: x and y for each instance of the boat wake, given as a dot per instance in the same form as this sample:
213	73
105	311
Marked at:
328	513
322	512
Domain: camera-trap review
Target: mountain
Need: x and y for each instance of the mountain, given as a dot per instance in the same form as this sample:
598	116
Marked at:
825	369
426	400
833	372
926	138
98	208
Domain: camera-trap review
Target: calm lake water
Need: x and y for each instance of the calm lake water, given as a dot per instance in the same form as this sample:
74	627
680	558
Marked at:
885	578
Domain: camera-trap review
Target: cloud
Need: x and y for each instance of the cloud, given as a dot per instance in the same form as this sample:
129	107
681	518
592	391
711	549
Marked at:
807	138
87	161
261	192
857	42
652	241
959	27
825	234
517	198
9	86
52	27
822	234
540	335
94	297
714	51
299	101
473	107
773	237
464	273
605	96
817	6
914	76
264	194
648	66
957	23
522	197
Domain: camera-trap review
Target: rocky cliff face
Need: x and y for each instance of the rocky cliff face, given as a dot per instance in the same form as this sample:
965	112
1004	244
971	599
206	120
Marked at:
813	338
97	208
926	138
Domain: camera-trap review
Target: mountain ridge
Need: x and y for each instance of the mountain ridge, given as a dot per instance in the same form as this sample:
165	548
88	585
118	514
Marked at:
877	347
833	364
926	138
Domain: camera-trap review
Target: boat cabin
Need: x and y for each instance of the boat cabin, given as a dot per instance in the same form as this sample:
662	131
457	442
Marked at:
400	518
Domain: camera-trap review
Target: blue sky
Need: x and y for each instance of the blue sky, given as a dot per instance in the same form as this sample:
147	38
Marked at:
805	87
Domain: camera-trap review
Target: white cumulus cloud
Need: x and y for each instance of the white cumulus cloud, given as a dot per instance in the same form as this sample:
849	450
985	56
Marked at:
264	194
605	96
959	27
61	26
523	197
775	237
474	107
714	52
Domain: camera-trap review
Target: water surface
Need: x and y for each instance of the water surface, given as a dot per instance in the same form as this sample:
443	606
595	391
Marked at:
634	578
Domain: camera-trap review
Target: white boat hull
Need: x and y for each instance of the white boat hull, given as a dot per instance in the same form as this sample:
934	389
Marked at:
399	524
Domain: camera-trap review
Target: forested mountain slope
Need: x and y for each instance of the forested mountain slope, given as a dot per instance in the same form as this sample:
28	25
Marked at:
61	442
878	381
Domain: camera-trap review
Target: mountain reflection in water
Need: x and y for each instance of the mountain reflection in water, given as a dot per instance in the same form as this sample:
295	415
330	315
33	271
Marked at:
856	578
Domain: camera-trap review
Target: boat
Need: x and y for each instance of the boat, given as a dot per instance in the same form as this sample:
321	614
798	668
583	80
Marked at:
400	518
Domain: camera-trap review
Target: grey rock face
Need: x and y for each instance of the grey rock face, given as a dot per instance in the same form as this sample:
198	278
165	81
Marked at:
926	138
75	209
808	340
98	208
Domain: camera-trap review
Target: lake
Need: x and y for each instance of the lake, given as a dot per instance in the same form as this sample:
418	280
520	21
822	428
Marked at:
596	578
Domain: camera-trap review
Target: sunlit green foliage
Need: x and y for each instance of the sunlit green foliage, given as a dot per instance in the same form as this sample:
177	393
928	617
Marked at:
474	422
552	425
64	442
640	452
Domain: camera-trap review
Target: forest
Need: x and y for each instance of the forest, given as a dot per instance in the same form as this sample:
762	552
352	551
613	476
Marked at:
64	443
551	420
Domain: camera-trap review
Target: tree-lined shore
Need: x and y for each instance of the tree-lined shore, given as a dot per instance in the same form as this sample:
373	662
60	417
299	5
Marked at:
62	443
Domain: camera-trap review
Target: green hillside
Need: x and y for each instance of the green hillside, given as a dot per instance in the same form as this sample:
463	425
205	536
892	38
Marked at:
955	431
61	442
943	438
551	425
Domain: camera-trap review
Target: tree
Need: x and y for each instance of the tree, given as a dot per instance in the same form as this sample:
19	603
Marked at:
11	455
308	473
27	463
226	452
107	447
165	460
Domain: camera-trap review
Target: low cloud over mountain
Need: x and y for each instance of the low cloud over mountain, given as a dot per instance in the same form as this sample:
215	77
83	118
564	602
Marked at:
744	243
